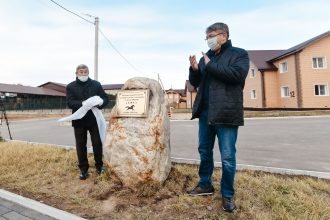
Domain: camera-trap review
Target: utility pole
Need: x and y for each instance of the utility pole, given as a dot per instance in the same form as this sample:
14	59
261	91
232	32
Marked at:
160	81
96	49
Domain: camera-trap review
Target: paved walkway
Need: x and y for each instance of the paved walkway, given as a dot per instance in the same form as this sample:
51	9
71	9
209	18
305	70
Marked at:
13	211
16	207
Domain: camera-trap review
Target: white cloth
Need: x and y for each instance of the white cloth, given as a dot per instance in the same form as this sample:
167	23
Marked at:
87	105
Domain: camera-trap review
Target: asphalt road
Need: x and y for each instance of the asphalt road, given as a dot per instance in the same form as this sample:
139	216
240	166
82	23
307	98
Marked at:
293	143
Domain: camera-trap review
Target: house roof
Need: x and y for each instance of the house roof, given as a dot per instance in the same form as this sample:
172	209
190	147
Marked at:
55	83
112	86
105	87
260	58
299	47
20	89
179	91
182	92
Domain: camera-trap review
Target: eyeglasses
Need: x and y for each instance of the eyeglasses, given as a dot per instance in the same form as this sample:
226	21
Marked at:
82	72
208	37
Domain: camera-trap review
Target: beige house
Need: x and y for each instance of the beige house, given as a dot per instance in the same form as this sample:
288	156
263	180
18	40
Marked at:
176	98
295	78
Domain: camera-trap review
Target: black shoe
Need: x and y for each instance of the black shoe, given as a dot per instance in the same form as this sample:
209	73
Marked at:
83	175
201	191
228	204
100	170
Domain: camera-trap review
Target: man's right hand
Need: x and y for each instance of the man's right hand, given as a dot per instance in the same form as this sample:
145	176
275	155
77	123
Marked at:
193	62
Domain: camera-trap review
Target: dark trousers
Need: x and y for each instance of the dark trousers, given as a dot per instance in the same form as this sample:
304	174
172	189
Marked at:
80	134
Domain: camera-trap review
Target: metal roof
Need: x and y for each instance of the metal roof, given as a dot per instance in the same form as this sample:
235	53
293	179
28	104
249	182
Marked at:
260	57
20	89
55	83
112	86
182	92
300	46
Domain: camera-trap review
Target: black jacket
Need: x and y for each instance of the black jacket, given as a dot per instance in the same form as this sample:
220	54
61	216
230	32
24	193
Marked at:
227	72
77	92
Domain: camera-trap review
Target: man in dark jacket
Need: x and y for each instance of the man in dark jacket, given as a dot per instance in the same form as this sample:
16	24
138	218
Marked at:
76	93
220	78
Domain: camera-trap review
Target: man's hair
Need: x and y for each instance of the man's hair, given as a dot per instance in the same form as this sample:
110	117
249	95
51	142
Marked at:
218	26
82	66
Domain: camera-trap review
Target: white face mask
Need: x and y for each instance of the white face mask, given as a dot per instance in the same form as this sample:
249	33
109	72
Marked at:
212	43
83	78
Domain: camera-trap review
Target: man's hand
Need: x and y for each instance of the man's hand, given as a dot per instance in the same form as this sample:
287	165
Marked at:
193	62
206	58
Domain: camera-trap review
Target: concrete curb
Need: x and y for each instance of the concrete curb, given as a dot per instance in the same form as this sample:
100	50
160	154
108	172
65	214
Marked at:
288	117
264	118
37	206
322	175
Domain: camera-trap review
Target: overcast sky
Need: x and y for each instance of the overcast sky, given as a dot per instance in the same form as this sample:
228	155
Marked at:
40	42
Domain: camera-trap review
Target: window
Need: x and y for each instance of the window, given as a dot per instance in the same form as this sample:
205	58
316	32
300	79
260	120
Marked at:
285	92
252	73
319	63
284	67
321	90
253	94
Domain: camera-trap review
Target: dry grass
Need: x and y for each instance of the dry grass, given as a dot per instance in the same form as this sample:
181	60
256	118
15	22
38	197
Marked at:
50	175
27	116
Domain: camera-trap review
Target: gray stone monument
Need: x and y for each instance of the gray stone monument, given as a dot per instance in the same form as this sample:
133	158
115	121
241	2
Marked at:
137	147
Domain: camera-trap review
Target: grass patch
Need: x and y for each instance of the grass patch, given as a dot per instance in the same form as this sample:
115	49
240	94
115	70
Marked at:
50	175
28	115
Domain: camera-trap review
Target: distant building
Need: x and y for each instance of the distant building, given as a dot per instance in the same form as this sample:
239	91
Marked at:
112	89
176	98
60	87
298	77
19	97
50	95
181	98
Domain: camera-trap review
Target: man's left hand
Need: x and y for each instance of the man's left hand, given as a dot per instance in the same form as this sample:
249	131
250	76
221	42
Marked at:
206	58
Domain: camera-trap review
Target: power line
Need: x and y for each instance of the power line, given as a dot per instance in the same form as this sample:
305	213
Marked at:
107	39
72	12
120	54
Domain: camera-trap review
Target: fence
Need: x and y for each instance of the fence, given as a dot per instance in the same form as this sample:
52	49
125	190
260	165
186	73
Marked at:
40	102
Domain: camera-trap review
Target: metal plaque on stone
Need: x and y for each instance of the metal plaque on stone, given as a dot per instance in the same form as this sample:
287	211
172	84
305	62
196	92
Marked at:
132	103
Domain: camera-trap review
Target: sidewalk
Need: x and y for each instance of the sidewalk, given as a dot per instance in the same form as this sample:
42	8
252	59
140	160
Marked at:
15	207
10	210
